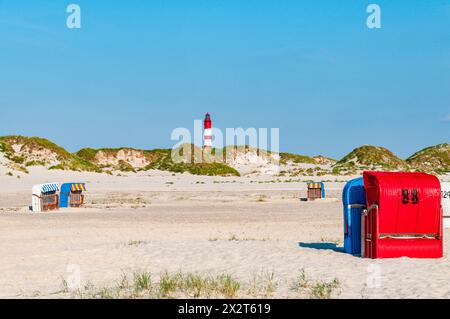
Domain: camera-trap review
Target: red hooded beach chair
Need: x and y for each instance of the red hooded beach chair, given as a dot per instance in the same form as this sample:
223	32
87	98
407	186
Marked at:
403	216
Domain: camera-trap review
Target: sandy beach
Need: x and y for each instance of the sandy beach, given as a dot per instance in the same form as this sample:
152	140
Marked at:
255	229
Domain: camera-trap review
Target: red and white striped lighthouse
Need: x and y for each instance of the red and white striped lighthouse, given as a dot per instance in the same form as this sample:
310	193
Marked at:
207	135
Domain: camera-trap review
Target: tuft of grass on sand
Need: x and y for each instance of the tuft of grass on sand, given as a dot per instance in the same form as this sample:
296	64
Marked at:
197	285
262	285
107	293
64	286
142	281
262	199
234	237
168	284
123	282
302	281
316	289
228	286
324	289
270	286
136	242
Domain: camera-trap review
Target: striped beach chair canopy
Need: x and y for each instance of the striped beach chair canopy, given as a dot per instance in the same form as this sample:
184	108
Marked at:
313	185
45	188
76	187
72	187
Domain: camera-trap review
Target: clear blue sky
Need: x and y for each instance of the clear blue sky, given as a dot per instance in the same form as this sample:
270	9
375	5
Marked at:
138	69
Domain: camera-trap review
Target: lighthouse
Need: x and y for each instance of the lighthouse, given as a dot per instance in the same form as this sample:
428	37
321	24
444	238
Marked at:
207	135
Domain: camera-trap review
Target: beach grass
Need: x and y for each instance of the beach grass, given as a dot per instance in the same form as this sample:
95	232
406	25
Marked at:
142	281
316	289
193	285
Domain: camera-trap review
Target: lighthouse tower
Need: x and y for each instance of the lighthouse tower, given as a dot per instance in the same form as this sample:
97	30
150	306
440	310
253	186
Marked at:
207	135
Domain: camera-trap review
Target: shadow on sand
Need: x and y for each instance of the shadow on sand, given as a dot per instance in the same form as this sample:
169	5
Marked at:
322	246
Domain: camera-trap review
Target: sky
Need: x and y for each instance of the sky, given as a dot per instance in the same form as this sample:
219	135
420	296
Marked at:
136	70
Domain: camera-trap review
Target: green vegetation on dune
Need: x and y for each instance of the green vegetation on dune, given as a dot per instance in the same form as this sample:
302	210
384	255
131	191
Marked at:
369	157
76	164
34	163
211	169
23	152
165	163
126	167
90	154
298	159
87	154
161	159
3	148
33	145
375	156
79	164
432	159
156	154
6	149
